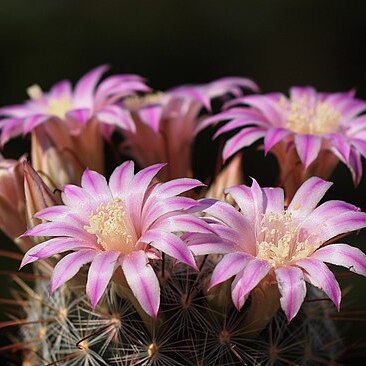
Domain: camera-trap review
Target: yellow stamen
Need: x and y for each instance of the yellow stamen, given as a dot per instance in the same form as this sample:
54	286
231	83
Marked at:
56	106
278	240
134	102
59	107
306	117
111	226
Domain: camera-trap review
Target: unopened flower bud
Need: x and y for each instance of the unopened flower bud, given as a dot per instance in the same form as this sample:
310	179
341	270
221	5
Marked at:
12	204
37	196
230	176
62	156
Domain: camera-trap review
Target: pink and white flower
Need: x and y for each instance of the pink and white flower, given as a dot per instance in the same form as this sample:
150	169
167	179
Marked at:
318	128
125	222
90	99
288	244
68	125
163	125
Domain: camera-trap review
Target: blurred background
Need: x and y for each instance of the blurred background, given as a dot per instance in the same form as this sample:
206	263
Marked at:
276	43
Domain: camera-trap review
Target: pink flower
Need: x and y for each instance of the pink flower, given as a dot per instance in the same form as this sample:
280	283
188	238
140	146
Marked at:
289	245
124	223
163	126
74	108
68	125
308	124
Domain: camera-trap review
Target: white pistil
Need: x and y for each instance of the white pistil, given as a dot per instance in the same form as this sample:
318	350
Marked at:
35	92
306	117
111	226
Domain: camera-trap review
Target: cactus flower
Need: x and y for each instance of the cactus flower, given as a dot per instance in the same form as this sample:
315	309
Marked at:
67	125
73	107
314	128
288	244
125	223
164	125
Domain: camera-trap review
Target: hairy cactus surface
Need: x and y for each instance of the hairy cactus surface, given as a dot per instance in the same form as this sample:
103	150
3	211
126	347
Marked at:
63	329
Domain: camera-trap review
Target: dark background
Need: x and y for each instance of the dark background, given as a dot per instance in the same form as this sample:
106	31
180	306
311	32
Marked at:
276	43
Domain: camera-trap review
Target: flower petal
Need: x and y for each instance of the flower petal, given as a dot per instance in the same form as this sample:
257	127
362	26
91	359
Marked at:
62	214
341	224
96	185
235	114
68	266
54	246
268	105
121	178
113	115
61	89
292	288
341	145
176	186
33	121
231	217
319	275
143	282
355	165
245	120
78	199
247	279
139	185
80	115
170	244
242	139
275	200
84	89
244	198
303	92
10	129
343	255
183	223
99	275
229	266
201	244
308	196
324	212
258	198
151	115
308	147
59	229
359	145
158	208
274	136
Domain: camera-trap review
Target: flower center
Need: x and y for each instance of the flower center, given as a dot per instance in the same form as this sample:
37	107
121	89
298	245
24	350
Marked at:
59	107
308	117
134	102
279	242
111	225
56	106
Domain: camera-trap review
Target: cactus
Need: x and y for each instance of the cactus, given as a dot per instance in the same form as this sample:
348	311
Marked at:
152	267
189	330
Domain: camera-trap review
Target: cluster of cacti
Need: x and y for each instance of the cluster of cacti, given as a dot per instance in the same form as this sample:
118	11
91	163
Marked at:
152	267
